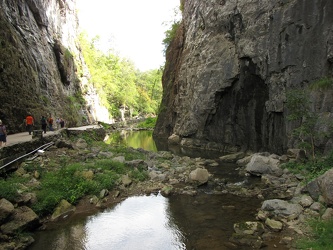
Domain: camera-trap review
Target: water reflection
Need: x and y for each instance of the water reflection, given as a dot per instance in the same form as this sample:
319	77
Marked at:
137	223
141	222
135	139
144	139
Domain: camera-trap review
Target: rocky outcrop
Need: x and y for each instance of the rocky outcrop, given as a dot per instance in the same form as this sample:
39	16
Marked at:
42	71
231	64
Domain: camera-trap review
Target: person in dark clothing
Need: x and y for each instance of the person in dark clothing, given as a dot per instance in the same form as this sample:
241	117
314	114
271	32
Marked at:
62	123
44	124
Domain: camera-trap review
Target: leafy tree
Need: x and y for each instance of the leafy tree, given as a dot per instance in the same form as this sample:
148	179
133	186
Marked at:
119	84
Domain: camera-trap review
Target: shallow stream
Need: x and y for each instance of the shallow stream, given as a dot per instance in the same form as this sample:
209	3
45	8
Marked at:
204	221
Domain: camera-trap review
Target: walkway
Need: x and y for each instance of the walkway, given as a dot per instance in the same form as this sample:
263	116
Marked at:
24	136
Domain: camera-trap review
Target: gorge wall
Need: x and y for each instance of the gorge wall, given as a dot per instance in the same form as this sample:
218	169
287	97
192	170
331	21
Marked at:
231	64
42	71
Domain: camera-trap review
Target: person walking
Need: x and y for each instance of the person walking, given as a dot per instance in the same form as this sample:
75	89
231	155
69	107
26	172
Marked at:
62	123
58	123
3	135
29	122
44	124
50	122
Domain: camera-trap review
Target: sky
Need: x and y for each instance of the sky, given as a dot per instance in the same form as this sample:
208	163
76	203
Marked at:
133	28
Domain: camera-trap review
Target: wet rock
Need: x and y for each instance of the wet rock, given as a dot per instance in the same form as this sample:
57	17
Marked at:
282	208
6	209
249	228
62	210
103	193
22	218
232	157
274	224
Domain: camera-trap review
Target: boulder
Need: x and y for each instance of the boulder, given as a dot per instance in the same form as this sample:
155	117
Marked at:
6	209
23	218
200	175
62	210
282	208
260	165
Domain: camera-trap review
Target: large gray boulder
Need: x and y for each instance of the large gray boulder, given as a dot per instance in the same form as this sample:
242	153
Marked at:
260	165
282	208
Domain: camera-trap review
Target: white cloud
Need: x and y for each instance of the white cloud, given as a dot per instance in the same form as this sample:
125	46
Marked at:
135	27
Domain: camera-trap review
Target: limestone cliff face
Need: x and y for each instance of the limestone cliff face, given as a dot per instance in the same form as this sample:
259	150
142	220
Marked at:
40	61
231	64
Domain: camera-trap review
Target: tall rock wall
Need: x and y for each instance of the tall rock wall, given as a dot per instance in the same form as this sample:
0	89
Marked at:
40	62
231	64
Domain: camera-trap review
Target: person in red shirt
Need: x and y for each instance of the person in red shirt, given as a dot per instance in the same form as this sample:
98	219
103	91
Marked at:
29	122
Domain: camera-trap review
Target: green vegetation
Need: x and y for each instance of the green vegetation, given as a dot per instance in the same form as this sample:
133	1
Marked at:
170	33
322	84
321	238
119	84
10	185
148	123
65	178
312	168
305	117
76	180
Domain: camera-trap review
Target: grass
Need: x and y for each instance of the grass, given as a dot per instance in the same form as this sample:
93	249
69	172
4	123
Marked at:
321	237
10	185
322	231
311	169
76	180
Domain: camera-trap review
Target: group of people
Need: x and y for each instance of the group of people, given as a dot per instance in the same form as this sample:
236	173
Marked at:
45	122
29	123
60	123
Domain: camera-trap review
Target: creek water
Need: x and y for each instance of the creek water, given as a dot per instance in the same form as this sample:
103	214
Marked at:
203	221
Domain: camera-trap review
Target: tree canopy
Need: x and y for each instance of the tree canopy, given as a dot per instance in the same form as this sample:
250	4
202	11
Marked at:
119	84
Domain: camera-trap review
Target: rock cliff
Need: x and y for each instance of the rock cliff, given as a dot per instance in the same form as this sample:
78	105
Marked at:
40	62
230	65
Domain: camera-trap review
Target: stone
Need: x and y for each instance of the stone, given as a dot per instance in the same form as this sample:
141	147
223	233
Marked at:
325	183
282	208
232	157
6	209
306	201
174	139
126	180
274	224
63	209
200	175
328	214
260	165
23	218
